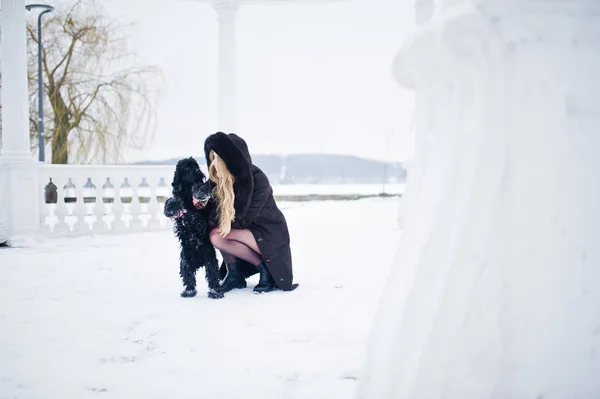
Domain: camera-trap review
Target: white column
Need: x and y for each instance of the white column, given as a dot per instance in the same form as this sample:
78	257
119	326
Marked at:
496	288
15	110
0	101
226	11
20	197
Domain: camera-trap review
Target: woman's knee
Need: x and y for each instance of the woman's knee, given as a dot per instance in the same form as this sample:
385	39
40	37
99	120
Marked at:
215	238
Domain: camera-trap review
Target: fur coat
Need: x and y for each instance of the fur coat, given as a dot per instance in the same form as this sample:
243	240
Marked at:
255	207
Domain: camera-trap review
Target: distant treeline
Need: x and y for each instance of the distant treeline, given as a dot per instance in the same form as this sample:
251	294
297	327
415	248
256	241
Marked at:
317	169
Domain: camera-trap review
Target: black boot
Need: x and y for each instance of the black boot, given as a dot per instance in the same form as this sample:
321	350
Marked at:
265	282
233	279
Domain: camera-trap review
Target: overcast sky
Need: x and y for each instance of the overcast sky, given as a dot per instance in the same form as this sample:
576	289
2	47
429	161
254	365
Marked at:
311	78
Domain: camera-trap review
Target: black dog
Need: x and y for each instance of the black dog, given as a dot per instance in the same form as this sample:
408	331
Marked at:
192	227
187	173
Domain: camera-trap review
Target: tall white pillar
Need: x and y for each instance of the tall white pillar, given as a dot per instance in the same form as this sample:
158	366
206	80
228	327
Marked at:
226	12
0	101
496	289
19	204
15	110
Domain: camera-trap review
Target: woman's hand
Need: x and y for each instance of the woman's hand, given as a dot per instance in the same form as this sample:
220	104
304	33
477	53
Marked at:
179	214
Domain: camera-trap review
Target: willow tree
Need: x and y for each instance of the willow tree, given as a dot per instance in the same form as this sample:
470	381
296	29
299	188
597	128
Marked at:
98	102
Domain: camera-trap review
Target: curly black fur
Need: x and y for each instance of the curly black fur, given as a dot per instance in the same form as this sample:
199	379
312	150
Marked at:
192	230
187	173
191	227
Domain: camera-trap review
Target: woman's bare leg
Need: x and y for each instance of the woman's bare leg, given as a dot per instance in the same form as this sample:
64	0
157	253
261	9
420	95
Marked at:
241	243
234	246
228	258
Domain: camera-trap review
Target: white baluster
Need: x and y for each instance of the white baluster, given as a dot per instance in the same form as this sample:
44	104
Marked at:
136	223
44	227
99	225
163	192
153	222
80	210
5	225
117	208
60	211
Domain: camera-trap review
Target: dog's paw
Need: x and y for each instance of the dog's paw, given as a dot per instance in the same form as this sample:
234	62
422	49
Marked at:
213	294
188	293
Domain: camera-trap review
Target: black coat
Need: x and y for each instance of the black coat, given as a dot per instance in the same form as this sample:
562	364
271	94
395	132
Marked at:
255	207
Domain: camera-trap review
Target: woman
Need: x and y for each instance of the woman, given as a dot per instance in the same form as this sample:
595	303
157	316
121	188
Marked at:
250	225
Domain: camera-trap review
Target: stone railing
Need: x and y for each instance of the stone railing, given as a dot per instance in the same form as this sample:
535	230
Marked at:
103	199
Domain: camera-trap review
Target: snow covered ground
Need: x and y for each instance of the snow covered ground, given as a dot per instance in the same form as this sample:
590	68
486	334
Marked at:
101	317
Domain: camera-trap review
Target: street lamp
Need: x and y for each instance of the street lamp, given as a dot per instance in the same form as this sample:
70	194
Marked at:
46	9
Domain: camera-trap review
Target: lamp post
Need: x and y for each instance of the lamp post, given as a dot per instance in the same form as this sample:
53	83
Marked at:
46	9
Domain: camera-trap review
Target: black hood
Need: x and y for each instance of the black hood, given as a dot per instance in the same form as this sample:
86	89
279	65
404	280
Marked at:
233	150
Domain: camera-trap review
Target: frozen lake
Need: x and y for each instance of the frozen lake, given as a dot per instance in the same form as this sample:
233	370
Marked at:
337	189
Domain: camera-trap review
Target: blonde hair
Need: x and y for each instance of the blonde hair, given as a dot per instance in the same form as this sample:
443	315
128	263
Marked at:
218	173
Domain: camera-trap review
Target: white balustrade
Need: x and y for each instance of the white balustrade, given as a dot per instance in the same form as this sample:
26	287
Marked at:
100	225
60	210
118	223
44	212
5	226
135	209
80	209
153	207
104	199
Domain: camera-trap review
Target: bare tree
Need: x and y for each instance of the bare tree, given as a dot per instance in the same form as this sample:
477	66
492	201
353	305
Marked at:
98	103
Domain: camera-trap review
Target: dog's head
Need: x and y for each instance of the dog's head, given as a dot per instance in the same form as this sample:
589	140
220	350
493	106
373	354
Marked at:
187	172
201	194
174	207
